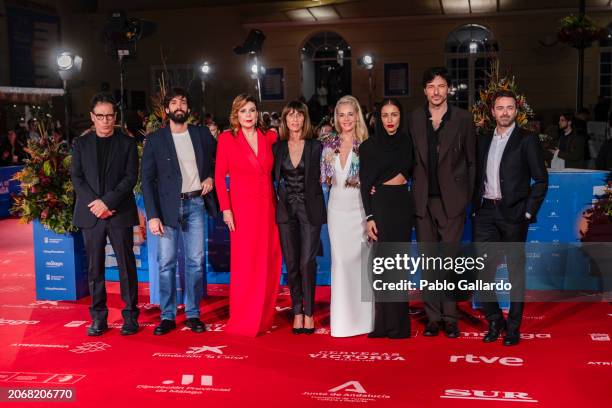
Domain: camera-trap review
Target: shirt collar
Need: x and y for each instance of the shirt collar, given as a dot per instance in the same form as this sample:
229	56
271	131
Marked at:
506	134
446	116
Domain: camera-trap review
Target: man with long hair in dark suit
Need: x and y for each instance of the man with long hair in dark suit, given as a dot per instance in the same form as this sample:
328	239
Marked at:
443	181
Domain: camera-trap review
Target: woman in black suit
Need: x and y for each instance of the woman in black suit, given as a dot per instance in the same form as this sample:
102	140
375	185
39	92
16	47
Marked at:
300	210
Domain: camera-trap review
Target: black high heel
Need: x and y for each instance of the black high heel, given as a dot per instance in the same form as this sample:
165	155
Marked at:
309	331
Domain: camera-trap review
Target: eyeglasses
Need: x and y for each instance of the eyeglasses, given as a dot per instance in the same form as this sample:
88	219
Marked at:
100	116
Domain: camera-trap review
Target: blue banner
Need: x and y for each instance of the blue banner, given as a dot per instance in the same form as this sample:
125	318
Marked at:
60	265
8	188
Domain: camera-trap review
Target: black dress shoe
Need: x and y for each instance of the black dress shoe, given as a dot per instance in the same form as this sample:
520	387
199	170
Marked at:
164	327
376	335
451	330
129	328
308	331
97	328
431	330
512	338
297	330
195	324
495	329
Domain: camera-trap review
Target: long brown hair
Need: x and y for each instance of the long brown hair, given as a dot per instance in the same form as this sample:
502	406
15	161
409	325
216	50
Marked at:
237	104
299	107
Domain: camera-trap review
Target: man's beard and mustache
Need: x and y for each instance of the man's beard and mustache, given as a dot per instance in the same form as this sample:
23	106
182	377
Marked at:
506	120
178	116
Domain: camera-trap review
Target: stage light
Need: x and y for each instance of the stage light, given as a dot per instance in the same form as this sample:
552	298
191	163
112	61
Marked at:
473	47
67	61
252	44
205	68
256	70
366	62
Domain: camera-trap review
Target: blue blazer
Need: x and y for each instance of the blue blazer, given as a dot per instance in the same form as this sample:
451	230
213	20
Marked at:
161	174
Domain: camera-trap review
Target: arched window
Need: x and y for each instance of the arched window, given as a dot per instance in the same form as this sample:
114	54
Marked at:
469	51
326	71
605	65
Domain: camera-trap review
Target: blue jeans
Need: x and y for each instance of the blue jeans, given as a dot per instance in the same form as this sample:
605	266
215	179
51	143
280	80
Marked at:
191	227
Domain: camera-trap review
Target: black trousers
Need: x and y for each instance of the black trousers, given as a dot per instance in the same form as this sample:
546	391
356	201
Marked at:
437	227
490	226
393	208
122	241
300	242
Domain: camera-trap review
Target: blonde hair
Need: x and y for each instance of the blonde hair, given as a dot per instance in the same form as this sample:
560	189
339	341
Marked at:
298	107
361	130
237	104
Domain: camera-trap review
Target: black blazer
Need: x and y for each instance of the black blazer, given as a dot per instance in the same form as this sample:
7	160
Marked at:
313	194
120	178
161	174
522	161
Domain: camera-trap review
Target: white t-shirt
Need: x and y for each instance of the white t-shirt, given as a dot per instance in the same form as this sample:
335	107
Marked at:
187	162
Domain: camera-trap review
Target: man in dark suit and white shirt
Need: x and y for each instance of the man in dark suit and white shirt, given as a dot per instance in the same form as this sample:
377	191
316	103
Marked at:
104	172
505	202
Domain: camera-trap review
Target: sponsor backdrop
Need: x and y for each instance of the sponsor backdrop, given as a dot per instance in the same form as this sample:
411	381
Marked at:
561	219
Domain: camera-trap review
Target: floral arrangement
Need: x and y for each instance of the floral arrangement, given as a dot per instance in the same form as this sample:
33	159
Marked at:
46	193
579	31
599	217
481	110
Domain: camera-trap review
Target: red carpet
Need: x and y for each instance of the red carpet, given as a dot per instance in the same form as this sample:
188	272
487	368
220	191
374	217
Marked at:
564	359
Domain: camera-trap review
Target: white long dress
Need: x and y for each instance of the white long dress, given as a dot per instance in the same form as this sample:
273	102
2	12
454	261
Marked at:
349	316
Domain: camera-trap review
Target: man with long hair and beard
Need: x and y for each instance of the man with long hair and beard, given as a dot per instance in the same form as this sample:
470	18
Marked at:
177	170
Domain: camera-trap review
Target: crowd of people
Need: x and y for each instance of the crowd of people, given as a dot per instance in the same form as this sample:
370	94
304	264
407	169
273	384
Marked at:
386	175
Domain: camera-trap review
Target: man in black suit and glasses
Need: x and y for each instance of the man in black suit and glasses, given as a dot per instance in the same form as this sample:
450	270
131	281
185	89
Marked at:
505	202
104	173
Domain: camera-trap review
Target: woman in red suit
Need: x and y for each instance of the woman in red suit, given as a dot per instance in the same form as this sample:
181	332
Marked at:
245	154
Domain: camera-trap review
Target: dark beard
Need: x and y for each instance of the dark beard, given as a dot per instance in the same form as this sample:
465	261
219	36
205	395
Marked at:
178	119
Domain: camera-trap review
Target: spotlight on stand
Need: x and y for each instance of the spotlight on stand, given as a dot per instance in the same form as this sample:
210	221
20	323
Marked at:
367	62
68	65
120	36
252	45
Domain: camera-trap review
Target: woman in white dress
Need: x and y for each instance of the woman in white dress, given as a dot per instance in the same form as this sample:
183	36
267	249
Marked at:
349	316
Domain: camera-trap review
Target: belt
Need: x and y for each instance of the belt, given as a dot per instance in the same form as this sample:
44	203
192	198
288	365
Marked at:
488	203
190	195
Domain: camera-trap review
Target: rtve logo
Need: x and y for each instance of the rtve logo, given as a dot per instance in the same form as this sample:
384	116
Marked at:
472	359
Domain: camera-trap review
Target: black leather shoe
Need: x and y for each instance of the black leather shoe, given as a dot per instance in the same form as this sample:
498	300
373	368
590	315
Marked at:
512	338
129	327
297	330
451	330
97	328
164	327
195	324
495	329
308	331
431	330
